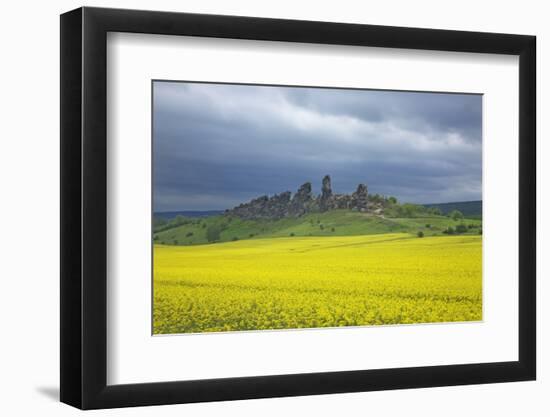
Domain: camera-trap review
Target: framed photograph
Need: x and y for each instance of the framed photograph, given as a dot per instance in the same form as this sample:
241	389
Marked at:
259	208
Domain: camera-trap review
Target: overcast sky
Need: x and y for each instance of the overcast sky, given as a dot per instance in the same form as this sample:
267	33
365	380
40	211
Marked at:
217	145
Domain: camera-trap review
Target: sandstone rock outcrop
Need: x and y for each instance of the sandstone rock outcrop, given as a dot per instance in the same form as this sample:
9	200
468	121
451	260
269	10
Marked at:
264	207
326	200
302	202
359	198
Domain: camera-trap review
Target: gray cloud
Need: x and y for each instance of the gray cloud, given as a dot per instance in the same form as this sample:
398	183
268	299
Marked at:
217	145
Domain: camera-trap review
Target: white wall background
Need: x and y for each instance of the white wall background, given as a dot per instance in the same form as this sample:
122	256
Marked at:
29	177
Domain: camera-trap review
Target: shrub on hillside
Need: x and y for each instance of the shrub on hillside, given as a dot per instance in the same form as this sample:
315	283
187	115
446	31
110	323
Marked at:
461	228
161	225
406	210
159	221
435	211
376	198
213	233
456	215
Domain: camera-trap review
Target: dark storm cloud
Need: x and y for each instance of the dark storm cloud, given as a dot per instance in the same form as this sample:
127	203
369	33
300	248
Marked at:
216	145
459	113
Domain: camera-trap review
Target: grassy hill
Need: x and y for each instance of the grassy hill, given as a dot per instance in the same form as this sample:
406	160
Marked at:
193	231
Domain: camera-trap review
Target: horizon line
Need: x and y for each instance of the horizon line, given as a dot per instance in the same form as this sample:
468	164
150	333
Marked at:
419	204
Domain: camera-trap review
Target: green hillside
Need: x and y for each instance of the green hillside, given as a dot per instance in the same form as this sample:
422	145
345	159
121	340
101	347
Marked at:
193	231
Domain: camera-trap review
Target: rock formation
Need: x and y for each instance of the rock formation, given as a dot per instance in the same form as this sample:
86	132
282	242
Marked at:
342	201
302	202
264	207
325	200
359	198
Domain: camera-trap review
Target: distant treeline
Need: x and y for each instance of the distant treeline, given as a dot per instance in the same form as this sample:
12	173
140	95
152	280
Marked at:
168	215
471	209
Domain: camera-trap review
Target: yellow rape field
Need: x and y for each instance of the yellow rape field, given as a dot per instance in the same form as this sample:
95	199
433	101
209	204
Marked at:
305	282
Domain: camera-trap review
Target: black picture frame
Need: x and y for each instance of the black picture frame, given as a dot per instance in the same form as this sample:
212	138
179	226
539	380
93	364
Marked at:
84	207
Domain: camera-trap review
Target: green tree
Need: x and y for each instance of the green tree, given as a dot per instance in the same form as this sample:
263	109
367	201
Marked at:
420	233
213	233
456	215
434	211
409	210
461	228
377	198
159	221
180	220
